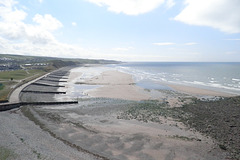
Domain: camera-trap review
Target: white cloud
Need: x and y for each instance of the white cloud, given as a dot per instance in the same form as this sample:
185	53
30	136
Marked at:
220	14
8	14
122	49
5	4
236	39
231	52
47	22
190	43
74	24
131	7
54	49
36	38
171	43
40	1
164	44
18	37
12	26
170	3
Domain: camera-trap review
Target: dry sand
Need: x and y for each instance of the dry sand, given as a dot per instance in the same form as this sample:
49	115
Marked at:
117	85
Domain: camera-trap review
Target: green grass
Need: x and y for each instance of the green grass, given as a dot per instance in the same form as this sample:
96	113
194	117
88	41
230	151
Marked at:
18	74
6	89
6	153
7	84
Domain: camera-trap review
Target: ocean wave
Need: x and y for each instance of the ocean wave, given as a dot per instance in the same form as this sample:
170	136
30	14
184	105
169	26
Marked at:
235	79
213	81
163	76
215	85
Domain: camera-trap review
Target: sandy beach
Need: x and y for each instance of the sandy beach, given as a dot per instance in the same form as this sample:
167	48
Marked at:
119	85
114	119
116	84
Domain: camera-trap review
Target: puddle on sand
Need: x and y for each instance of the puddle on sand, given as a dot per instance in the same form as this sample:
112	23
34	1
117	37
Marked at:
75	91
152	85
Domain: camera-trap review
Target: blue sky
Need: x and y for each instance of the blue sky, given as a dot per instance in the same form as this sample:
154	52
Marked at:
126	30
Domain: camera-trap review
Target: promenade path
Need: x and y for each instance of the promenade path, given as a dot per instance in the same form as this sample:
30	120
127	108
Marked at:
14	97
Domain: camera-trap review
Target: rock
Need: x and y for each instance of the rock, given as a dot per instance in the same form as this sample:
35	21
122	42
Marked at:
222	147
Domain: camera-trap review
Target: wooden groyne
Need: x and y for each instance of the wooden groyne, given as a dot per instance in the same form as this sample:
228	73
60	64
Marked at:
5	107
4	101
9	106
55	76
46	85
49	103
60	77
52	80
43	92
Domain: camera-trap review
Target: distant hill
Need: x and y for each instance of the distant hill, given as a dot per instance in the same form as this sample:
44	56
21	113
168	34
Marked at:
22	59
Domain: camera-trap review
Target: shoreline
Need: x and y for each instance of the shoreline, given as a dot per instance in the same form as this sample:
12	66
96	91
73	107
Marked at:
197	91
120	85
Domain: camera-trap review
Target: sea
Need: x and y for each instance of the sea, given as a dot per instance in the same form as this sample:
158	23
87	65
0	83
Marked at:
224	77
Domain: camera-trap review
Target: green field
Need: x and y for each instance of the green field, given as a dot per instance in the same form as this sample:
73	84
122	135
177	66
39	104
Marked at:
18	74
9	79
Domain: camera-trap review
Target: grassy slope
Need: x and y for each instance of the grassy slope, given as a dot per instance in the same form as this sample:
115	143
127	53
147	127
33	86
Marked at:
17	75
22	75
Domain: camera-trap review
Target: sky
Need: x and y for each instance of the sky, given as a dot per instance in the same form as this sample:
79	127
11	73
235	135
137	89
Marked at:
125	30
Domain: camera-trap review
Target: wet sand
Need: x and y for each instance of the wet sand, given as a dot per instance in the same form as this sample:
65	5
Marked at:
93	125
194	91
